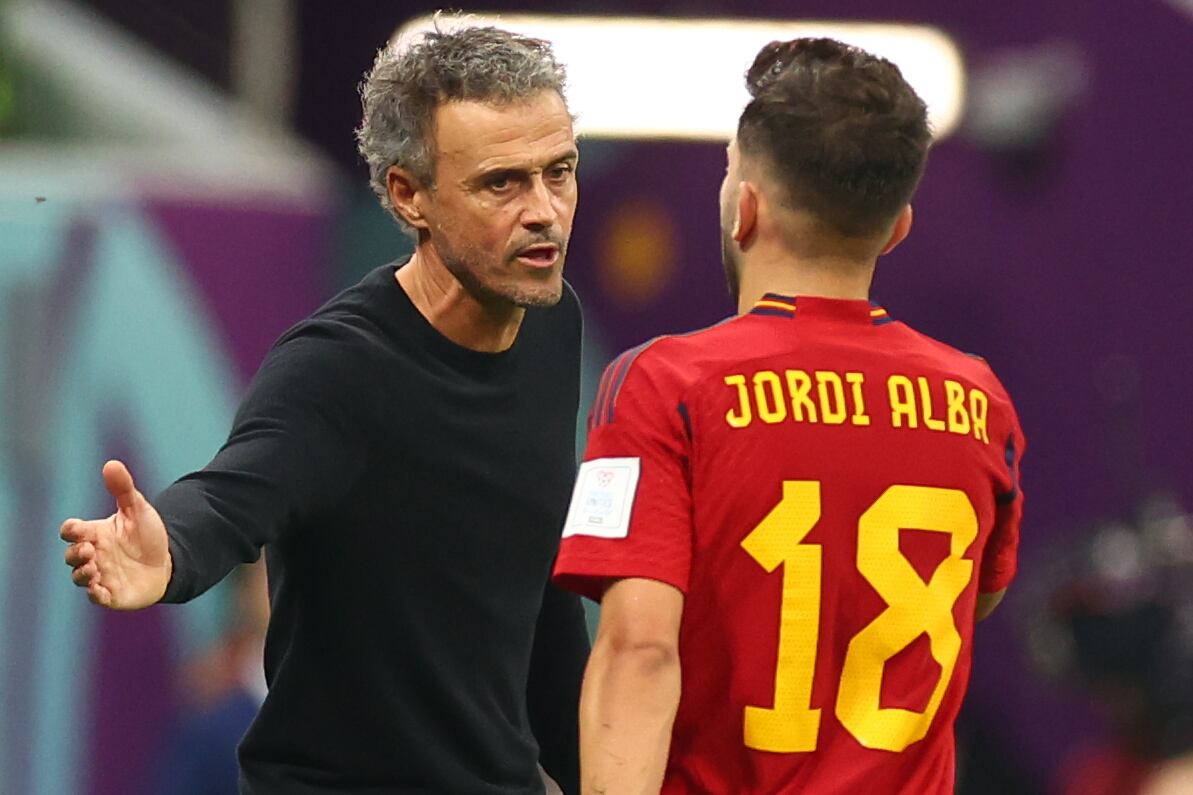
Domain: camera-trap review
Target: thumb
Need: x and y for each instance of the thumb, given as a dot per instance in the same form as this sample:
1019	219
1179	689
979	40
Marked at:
119	483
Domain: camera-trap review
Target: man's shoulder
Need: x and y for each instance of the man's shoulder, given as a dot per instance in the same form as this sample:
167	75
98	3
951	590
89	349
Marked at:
351	319
673	363
336	349
366	298
965	364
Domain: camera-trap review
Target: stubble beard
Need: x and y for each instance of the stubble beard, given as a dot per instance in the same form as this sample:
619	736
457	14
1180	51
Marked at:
520	296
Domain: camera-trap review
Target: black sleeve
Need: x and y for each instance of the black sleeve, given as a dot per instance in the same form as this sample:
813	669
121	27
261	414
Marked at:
294	451
553	693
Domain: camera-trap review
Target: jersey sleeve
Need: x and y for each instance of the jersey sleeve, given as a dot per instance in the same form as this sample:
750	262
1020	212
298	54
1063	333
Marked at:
1000	557
630	514
293	452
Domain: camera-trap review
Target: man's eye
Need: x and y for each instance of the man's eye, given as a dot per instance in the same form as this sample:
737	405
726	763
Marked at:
560	172
500	183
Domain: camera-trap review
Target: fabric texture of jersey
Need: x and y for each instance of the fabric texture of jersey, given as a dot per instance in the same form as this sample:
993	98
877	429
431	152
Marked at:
831	490
408	492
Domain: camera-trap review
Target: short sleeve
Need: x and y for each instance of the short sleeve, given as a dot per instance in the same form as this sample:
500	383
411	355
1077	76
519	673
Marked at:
631	508
1000	557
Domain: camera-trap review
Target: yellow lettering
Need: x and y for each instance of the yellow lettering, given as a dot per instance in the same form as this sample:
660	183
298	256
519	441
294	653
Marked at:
859	400
772	410
932	423
832	412
743	416
978	406
958	416
902	400
799	384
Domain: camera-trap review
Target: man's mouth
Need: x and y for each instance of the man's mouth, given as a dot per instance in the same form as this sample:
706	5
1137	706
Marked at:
541	255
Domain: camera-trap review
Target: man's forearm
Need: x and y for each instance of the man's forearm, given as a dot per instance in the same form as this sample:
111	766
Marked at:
626	710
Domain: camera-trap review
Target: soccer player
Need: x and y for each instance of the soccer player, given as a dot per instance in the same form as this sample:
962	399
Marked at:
405	457
793	518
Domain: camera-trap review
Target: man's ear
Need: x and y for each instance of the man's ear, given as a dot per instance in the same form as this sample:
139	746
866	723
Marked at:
902	227
407	195
745	220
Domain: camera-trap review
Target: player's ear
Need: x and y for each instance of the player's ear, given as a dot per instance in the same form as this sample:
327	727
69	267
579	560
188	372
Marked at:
745	219
407	194
902	227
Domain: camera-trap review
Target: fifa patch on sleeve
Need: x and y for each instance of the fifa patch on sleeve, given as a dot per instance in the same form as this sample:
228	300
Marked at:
603	498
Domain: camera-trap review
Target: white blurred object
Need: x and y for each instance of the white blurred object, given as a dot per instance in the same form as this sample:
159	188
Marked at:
145	119
1187	7
265	45
647	77
1018	96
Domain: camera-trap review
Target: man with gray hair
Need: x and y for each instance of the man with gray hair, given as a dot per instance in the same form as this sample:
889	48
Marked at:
405	457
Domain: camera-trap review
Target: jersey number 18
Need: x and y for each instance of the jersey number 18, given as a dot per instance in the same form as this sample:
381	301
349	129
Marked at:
913	608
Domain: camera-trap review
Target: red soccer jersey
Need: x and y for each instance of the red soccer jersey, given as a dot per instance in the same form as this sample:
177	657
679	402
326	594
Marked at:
830	489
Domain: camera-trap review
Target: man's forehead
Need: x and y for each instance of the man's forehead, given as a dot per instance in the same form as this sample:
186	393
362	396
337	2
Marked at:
472	133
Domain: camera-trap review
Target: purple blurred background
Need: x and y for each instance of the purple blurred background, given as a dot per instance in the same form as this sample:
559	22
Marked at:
1053	235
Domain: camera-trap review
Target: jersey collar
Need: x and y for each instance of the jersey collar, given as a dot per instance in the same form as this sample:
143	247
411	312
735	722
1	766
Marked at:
855	311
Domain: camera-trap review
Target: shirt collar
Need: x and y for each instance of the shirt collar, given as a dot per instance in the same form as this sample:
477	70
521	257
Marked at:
849	310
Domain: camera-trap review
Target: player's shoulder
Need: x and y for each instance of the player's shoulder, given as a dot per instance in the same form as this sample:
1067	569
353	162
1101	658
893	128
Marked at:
680	359
969	365
665	367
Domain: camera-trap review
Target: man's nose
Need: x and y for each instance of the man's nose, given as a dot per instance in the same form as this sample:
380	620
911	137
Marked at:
539	210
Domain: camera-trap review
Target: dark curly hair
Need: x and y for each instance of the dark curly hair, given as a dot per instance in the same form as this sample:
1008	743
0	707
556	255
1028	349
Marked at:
455	61
839	128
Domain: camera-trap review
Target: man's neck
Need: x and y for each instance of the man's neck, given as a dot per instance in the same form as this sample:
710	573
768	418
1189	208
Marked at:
823	277
452	310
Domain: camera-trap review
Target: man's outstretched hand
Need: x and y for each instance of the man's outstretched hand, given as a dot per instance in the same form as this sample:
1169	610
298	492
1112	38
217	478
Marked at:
124	560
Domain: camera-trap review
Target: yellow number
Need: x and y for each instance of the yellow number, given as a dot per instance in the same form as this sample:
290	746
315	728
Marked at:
791	725
913	609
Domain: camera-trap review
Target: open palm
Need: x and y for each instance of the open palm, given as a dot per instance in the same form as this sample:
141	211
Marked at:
124	560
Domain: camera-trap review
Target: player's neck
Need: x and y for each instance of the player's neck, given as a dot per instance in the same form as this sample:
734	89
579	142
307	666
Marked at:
822	277
452	310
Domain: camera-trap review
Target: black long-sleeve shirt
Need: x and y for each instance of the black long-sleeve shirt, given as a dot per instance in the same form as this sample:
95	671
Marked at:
409	493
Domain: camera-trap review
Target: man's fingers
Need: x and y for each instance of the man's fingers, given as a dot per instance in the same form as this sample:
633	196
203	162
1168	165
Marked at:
86	576
80	554
119	483
99	595
75	530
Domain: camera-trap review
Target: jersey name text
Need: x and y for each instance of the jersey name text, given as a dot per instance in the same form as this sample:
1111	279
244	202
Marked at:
837	398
